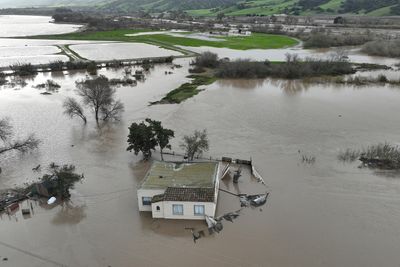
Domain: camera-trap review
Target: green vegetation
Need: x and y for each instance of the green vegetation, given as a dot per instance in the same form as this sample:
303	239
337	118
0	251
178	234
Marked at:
145	136
293	68
303	7
381	156
62	179
186	90
255	41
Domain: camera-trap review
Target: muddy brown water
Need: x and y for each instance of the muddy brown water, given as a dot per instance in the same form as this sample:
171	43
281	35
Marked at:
325	214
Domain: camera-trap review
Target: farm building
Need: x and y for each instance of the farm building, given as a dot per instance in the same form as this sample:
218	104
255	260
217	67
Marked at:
180	190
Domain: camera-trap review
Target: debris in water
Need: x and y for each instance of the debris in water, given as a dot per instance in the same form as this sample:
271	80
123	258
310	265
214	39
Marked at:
237	175
51	200
253	200
37	168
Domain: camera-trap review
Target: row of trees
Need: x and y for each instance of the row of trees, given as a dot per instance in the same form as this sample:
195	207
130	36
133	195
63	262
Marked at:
147	135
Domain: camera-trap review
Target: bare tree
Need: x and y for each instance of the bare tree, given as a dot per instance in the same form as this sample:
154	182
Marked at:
6	134
112	111
99	95
73	109
196	144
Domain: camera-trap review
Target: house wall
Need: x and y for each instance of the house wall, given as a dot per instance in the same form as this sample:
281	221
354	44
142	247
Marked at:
188	210
147	193
157	213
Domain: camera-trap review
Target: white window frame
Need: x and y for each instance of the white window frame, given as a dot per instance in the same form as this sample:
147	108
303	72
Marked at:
175	206
148	200
196	213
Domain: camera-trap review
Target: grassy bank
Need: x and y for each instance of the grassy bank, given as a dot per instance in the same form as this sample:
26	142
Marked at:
186	90
255	41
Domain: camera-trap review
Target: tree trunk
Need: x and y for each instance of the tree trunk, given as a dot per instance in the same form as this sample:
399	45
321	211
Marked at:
96	113
162	156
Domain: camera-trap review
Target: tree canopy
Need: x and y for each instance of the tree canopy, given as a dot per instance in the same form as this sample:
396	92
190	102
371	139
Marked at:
145	136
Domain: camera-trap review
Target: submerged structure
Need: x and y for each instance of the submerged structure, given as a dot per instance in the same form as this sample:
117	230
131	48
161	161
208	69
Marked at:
180	190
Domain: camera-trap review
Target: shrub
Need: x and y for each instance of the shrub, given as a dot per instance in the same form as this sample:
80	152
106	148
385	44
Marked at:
56	65
293	68
382	78
206	60
23	69
77	65
324	40
92	68
384	48
3	78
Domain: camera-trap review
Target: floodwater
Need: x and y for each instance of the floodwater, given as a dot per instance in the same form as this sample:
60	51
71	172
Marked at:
324	214
17	26
354	54
121	51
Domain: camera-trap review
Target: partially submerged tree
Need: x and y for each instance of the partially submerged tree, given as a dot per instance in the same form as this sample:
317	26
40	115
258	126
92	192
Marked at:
97	94
141	138
206	60
112	111
73	109
62	178
162	135
3	79
145	137
194	145
9	144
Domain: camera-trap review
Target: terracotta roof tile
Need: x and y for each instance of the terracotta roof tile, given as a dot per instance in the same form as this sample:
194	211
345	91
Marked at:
189	194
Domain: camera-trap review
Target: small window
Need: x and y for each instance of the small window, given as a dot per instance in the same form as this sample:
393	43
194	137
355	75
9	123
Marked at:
199	210
146	201
158	208
177	209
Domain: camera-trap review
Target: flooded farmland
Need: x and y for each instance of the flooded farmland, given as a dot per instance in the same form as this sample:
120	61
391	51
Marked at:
121	51
324	214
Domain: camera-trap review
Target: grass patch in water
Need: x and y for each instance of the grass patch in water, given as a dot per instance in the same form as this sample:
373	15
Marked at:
381	156
186	90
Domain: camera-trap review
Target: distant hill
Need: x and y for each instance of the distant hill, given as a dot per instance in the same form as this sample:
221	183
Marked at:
306	7
229	7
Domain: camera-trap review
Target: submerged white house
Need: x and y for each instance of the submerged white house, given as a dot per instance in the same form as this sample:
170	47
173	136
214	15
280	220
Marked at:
180	190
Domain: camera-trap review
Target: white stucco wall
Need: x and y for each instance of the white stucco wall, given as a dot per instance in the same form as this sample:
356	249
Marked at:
157	213
147	193
188	210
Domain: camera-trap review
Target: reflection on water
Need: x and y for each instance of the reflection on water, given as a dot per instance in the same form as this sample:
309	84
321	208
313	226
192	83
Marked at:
325	214
353	54
69	214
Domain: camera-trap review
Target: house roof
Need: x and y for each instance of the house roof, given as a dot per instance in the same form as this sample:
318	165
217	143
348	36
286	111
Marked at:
180	174
186	194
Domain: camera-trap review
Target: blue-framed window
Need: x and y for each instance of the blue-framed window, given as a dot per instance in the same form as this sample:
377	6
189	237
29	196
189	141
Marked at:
199	210
146	201
177	209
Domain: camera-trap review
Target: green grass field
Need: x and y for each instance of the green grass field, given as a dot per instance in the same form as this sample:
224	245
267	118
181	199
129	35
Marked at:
255	41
